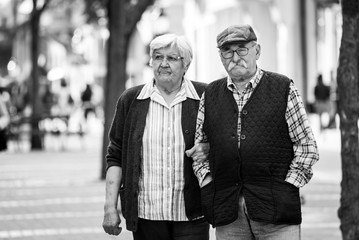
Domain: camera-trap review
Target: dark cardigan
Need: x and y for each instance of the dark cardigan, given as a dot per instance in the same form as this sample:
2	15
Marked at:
125	147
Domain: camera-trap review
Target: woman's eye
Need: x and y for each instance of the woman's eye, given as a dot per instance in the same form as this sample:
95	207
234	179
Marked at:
158	57
171	59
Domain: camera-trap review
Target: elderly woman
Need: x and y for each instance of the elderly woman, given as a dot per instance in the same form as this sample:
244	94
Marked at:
146	163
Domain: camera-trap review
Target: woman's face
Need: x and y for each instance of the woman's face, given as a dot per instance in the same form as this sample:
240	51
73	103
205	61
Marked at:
167	65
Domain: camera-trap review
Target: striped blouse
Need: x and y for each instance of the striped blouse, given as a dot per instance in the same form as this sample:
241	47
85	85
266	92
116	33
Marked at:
162	179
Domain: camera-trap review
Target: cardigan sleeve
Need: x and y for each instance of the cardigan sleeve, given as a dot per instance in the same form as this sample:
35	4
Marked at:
116	132
114	149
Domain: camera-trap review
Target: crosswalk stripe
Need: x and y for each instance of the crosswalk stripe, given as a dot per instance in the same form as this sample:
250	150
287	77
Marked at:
321	225
51	201
49	232
11	184
49	215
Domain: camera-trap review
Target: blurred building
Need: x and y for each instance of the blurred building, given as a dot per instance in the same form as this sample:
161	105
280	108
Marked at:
299	38
68	47
6	34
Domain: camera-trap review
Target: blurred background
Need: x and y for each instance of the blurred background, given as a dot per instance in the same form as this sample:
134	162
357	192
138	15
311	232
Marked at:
64	63
54	61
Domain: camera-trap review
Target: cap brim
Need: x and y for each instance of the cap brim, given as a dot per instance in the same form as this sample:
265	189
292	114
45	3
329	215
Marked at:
234	42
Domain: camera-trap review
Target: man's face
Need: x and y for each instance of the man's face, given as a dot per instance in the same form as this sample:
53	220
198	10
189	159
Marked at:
240	59
167	65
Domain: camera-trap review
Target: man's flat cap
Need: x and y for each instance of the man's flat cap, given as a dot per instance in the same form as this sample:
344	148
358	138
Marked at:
236	33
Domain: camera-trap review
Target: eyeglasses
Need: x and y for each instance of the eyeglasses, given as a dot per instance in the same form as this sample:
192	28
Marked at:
170	59
241	51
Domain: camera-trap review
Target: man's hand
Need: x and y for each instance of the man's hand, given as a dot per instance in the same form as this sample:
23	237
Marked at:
199	152
111	222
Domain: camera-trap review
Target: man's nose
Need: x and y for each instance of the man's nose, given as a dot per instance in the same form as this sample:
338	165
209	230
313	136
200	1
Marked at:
236	56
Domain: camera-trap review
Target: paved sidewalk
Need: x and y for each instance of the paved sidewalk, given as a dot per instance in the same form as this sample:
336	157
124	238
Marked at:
57	195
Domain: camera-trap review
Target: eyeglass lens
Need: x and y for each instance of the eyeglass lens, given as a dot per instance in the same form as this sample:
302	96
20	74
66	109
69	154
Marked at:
160	58
229	53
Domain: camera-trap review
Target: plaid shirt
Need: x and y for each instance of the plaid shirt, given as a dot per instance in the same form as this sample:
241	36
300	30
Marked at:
162	178
300	132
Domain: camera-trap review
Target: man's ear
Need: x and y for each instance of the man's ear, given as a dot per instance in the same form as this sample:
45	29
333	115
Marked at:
258	51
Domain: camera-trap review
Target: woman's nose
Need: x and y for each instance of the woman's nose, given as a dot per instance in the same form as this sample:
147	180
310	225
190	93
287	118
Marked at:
164	62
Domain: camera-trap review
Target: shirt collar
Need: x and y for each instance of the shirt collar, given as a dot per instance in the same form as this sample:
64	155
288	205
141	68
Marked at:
253	82
187	90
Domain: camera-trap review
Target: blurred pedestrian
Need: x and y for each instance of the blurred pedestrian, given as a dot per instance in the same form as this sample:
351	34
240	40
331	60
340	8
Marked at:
19	97
261	146
64	101
334	99
322	99
146	163
4	122
48	100
86	98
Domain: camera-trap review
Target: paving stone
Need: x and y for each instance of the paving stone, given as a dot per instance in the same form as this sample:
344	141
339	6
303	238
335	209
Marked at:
54	195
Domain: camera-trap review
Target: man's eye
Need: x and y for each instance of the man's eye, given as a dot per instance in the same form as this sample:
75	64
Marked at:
242	50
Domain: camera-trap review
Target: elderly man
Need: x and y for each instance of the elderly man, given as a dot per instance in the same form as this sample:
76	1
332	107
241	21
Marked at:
261	146
146	163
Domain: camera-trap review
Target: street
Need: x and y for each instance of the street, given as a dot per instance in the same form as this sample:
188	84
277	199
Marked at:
57	194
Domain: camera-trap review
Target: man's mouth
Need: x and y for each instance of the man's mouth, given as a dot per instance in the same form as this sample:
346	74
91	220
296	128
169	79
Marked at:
239	64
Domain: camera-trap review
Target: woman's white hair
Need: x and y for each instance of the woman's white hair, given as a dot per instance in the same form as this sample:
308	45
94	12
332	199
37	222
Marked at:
173	40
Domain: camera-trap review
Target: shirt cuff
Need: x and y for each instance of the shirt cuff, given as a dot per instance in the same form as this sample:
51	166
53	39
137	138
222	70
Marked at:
297	179
201	175
200	181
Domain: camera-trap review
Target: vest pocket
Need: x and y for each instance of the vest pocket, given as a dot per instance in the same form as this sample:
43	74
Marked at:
225	205
207	193
287	202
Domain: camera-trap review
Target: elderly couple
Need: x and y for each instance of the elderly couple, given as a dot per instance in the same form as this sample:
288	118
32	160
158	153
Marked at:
233	153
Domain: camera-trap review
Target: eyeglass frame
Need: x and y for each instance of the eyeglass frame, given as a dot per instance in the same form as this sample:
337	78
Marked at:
169	58
233	51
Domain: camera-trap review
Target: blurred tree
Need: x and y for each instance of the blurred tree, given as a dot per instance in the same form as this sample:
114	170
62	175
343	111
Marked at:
123	17
37	11
36	139
348	90
95	10
62	33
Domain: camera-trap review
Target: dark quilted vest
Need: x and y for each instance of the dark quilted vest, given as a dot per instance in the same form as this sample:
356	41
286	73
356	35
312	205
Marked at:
258	169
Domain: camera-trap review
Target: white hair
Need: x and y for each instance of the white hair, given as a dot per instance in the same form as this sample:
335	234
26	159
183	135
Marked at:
173	40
